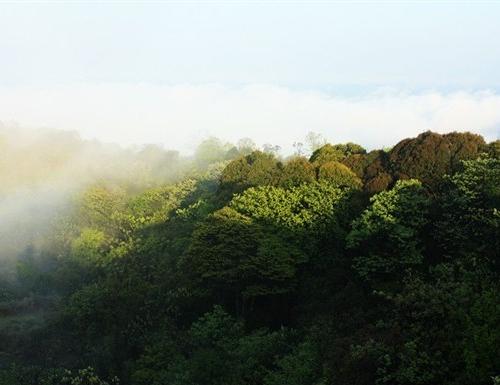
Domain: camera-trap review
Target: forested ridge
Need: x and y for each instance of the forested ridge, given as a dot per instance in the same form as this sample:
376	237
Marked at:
239	267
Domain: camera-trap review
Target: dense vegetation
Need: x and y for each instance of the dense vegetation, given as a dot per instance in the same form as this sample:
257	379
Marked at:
241	268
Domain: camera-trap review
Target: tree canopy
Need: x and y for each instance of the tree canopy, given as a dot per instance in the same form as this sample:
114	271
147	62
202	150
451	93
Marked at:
350	267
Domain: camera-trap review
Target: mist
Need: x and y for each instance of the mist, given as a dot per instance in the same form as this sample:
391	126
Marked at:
179	116
43	170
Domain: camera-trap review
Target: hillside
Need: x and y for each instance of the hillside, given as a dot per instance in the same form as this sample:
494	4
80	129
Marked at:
236	266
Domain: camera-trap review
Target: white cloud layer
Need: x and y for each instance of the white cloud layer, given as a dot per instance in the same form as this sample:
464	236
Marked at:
180	116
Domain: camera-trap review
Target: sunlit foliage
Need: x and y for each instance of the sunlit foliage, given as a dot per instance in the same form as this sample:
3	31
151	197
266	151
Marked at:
242	268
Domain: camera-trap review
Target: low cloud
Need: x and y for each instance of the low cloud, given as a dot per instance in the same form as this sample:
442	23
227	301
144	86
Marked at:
180	116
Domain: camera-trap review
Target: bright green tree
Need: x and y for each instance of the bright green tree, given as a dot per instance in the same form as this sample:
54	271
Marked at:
338	175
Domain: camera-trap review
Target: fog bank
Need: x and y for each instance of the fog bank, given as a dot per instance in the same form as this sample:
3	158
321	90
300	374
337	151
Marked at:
179	116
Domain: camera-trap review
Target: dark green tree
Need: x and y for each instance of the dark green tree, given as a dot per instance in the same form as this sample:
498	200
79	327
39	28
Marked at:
255	169
386	238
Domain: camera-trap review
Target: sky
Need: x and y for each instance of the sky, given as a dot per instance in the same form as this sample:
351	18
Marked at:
177	72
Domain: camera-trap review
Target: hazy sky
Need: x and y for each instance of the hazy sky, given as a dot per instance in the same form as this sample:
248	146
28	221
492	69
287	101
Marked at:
176	72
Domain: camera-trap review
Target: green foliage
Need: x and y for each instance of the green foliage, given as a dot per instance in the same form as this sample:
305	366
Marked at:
315	206
255	247
109	221
494	149
337	152
255	272
445	329
470	219
312	213
338	175
90	247
17	375
296	171
85	377
30	375
256	169
232	253
156	205
98	205
386	236
217	351
300	367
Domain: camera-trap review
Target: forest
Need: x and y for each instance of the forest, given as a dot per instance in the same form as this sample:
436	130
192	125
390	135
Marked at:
239	266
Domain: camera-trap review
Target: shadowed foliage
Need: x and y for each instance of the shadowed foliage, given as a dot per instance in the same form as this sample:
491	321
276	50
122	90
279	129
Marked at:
351	268
430	156
255	169
297	171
